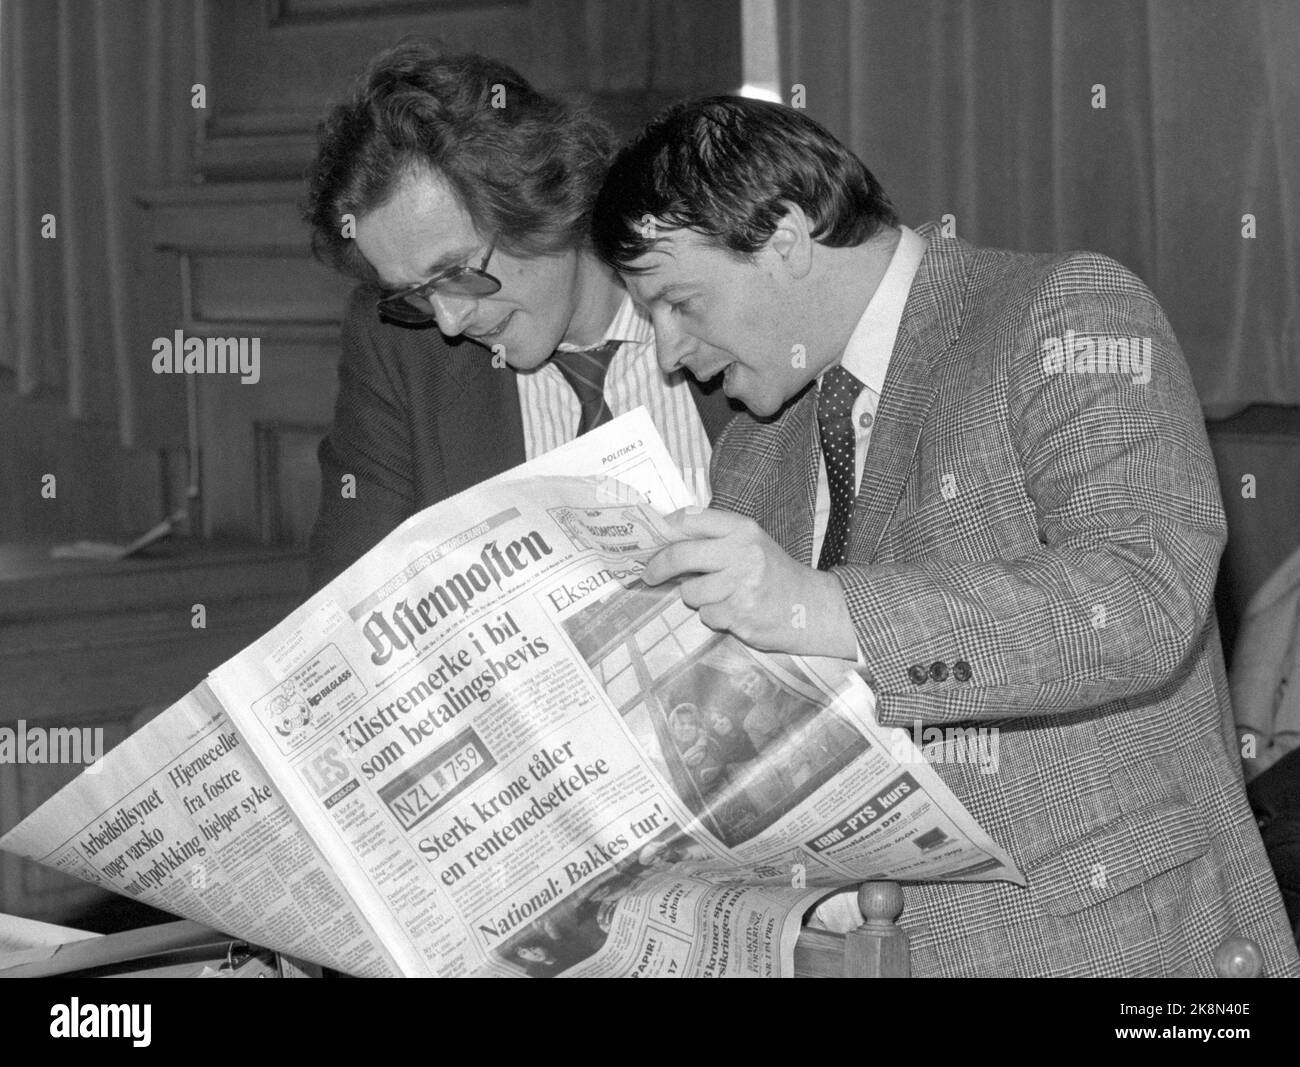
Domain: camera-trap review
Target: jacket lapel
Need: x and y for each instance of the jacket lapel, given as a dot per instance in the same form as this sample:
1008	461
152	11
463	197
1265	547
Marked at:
931	324
790	521
480	427
714	408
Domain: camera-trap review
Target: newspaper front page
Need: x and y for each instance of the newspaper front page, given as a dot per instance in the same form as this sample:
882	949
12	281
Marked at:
511	757
182	817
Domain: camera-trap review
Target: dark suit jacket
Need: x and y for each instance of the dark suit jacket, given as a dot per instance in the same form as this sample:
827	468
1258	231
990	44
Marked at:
1057	535
418	419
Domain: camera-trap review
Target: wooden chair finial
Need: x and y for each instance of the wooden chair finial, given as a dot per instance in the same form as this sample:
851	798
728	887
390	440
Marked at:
878	948
881	903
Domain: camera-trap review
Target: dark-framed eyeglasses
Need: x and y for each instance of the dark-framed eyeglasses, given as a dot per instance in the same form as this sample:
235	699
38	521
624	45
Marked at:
412	304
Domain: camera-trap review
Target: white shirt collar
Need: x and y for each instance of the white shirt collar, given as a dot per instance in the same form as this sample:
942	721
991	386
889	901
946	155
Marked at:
630	325
866	356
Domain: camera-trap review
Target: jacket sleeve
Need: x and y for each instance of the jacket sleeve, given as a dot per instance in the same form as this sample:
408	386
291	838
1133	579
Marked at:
1118	480
370	441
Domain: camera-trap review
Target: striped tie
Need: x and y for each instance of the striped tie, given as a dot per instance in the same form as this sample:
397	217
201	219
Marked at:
835	397
585	372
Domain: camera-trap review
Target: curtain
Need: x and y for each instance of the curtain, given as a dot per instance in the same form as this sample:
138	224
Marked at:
987	111
94	107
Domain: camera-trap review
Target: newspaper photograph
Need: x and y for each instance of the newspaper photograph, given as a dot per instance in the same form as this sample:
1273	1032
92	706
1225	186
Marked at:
501	753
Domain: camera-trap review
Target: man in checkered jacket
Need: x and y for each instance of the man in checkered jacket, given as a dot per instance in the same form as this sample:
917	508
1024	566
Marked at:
984	474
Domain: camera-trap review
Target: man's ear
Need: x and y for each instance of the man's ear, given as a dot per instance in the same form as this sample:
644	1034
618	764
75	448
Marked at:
792	241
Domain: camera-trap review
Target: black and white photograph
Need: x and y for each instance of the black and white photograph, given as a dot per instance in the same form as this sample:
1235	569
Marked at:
960	342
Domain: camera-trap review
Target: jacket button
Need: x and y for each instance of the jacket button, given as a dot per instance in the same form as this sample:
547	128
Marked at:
939	670
961	671
917	673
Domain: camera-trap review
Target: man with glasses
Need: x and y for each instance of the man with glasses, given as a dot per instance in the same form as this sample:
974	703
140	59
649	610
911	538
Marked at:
485	332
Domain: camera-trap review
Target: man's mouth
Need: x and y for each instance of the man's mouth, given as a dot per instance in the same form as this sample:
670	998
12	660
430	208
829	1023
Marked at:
709	375
496	331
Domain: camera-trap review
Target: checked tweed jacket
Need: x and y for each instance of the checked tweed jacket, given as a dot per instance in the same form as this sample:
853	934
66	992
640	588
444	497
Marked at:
1060	534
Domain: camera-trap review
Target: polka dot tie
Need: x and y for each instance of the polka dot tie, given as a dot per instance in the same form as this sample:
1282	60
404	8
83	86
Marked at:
585	372
839	389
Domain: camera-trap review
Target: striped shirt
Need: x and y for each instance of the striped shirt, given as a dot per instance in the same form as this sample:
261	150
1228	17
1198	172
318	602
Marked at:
551	410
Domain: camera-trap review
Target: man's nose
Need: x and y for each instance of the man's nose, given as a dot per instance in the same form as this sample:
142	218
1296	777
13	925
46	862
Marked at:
672	346
453	312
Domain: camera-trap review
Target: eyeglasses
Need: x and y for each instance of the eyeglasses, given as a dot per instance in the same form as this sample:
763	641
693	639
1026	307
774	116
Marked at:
412	305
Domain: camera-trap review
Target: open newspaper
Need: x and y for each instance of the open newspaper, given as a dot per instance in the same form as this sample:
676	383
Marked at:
488	749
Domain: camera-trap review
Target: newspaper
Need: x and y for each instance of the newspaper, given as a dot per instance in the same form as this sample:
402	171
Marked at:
488	748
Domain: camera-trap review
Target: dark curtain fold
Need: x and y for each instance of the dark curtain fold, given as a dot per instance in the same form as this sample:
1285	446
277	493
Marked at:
985	111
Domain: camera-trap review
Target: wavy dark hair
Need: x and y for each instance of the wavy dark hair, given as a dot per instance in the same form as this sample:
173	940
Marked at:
525	166
727	167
